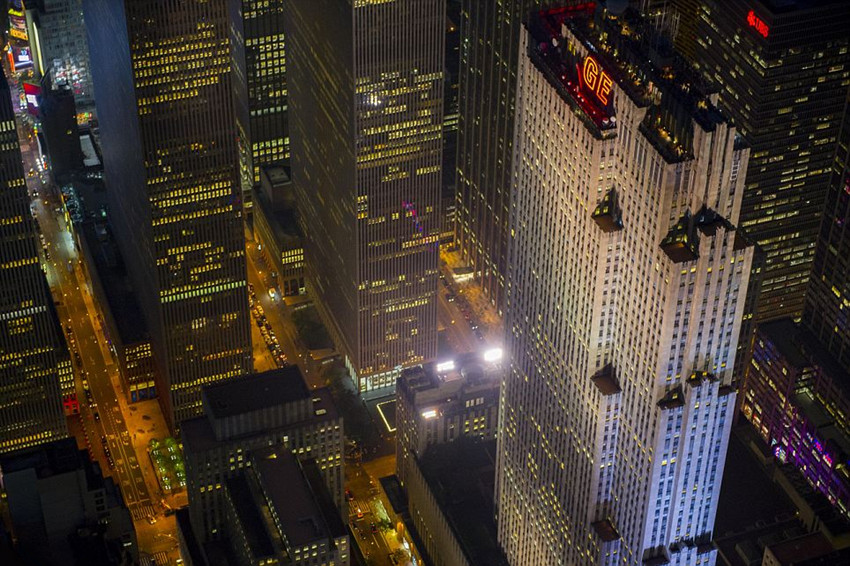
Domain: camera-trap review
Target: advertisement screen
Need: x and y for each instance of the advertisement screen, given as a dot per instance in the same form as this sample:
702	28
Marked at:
32	92
17	23
20	58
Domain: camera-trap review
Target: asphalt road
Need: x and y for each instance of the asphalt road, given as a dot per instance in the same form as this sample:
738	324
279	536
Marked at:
77	311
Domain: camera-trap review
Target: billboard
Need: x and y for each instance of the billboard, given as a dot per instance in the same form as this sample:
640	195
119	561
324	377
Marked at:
17	21
32	92
20	58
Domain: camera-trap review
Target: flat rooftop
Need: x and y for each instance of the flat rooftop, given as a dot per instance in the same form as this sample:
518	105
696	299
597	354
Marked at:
198	434
255	392
291	495
250	517
461	476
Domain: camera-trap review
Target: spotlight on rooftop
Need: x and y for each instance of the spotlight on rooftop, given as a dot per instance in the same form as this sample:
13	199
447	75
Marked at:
493	355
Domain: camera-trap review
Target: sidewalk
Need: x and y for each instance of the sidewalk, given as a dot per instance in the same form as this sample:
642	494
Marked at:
145	422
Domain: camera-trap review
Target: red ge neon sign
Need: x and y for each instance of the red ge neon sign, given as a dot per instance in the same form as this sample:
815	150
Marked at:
596	80
757	24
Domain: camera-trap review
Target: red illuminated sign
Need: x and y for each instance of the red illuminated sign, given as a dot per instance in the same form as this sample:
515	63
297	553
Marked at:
596	80
757	24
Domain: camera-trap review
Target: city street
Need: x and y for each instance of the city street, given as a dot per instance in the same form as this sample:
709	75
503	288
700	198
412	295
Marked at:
105	417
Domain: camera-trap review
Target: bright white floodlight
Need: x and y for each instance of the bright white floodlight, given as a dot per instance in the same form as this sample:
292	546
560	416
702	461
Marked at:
443	367
493	355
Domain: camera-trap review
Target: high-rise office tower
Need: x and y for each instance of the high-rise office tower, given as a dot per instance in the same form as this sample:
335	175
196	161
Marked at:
30	399
625	292
162	80
366	118
784	70
488	58
259	86
827	312
57	35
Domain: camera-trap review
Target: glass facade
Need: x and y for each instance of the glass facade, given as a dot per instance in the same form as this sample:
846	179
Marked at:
31	408
162	75
366	94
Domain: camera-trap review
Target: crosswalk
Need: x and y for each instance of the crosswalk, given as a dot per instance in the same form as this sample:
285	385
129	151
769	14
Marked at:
156	559
141	511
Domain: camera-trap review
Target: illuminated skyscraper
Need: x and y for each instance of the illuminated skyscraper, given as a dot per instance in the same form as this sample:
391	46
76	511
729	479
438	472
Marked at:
827	312
57	35
259	82
30	340
162	80
489	51
625	293
366	116
784	69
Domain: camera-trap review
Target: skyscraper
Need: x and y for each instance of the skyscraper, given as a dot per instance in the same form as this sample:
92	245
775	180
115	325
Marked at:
625	292
784	69
827	312
57	34
366	117
259	83
30	339
488	59
162	81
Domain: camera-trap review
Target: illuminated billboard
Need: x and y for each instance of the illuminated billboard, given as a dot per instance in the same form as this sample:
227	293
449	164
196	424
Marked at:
32	93
17	21
20	58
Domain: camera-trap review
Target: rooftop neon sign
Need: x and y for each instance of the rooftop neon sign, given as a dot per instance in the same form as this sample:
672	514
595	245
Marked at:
596	80
757	24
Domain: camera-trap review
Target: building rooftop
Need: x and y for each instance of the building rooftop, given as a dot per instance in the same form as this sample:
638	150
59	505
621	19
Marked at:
198	434
291	495
433	382
250	517
54	459
628	51
805	547
254	392
461	476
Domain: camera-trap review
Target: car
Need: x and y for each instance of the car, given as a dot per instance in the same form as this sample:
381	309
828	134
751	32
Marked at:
96	416
152	520
359	513
451	297
349	495
374	527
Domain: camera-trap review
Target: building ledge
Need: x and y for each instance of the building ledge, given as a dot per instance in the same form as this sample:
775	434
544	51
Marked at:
607	213
606	530
674	399
606	380
681	244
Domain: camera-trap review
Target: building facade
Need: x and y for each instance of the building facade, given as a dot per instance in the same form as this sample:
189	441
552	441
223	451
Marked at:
30	337
784	71
55	489
259	87
439	403
248	414
626	286
797	399
828	297
57	36
366	117
162	75
487	91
